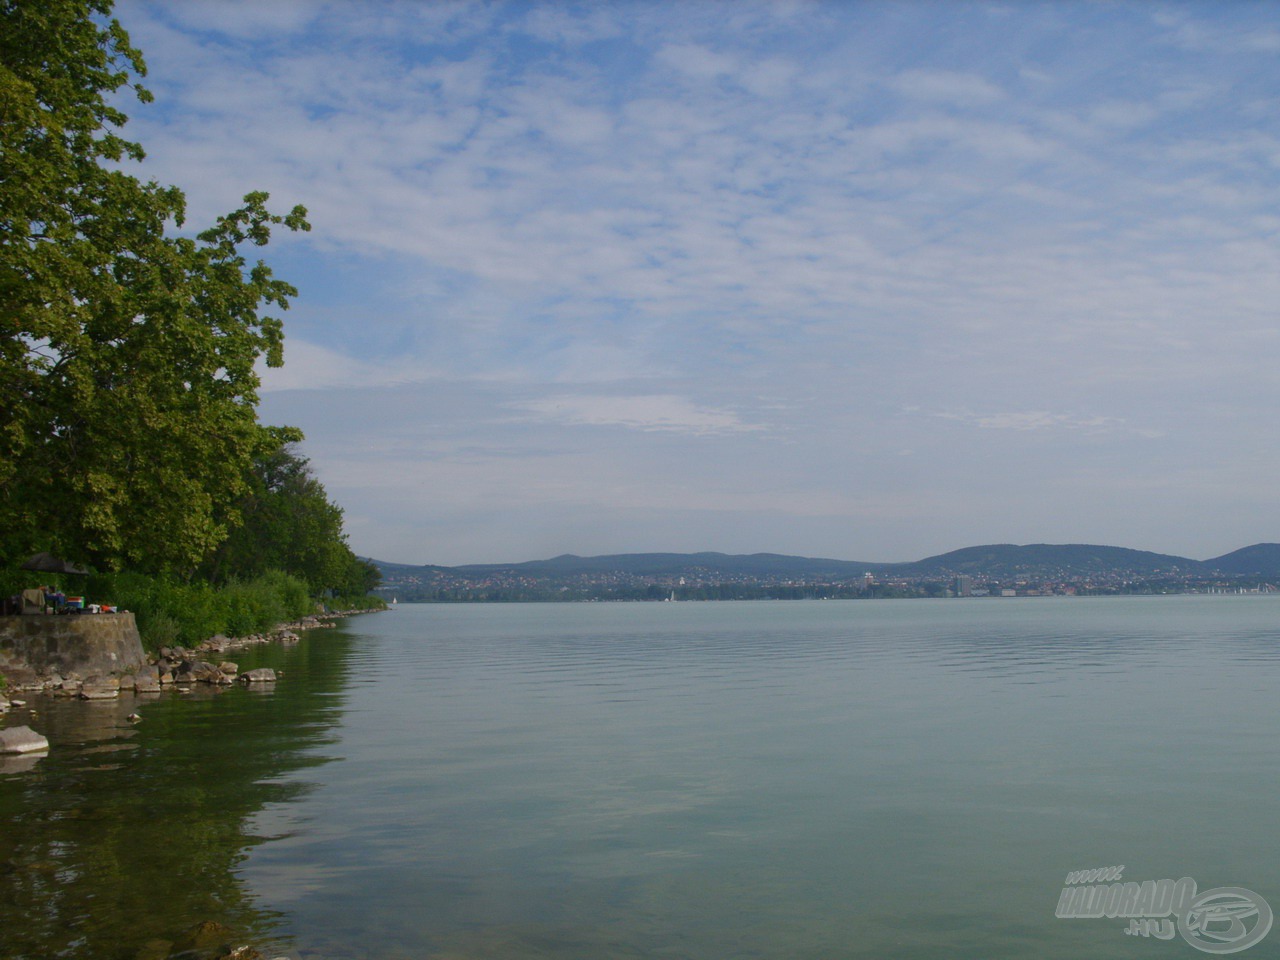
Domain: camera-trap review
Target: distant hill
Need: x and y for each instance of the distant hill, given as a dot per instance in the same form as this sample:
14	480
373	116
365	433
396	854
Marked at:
1262	559
756	565
999	561
1068	561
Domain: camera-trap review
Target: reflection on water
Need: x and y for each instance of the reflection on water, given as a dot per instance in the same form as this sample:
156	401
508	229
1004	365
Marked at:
126	834
756	780
779	780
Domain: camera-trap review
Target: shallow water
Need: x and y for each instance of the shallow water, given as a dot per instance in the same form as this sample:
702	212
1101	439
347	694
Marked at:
790	780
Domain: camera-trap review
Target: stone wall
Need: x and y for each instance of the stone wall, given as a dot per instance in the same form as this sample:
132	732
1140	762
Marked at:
88	644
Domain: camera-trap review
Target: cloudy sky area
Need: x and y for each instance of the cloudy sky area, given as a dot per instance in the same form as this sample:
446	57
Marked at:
863	280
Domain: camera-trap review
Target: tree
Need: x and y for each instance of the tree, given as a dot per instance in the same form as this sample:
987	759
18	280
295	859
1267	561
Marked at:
128	391
287	522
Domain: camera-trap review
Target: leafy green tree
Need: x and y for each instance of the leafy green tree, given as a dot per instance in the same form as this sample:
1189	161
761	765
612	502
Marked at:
362	578
127	386
288	523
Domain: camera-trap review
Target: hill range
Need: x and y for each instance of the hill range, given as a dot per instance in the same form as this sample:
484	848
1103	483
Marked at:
992	562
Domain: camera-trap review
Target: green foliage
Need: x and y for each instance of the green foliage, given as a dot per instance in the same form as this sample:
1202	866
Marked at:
172	612
287	522
127	385
354	601
128	391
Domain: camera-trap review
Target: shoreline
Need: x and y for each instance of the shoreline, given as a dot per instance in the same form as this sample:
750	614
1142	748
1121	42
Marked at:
171	666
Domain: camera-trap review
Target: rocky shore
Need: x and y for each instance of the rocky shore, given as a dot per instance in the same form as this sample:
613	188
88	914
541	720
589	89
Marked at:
174	667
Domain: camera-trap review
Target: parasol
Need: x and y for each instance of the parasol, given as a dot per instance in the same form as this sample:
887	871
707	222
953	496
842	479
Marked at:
48	563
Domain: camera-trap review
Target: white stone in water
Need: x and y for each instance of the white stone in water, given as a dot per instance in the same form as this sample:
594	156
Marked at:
21	740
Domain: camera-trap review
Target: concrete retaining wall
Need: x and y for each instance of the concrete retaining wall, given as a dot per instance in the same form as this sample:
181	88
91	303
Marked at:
87	644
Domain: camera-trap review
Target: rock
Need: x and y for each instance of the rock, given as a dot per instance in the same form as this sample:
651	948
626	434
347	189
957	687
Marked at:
134	718
100	688
128	682
198	671
229	668
240	953
205	672
68	688
20	678
217	643
148	680
260	675
21	740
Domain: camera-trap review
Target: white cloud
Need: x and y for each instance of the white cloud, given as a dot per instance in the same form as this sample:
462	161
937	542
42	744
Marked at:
697	61
557	25
1030	420
310	366
657	412
943	86
855	205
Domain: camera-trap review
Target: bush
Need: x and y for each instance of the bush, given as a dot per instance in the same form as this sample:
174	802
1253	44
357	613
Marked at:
171	613
367	601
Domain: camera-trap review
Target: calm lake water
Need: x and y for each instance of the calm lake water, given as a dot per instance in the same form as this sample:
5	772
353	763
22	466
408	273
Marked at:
758	780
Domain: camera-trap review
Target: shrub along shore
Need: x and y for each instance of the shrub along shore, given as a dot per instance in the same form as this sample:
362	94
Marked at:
174	613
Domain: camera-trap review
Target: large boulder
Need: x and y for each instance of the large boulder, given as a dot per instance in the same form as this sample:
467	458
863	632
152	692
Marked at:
198	671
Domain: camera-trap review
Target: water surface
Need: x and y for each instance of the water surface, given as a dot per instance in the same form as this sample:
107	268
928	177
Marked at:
757	780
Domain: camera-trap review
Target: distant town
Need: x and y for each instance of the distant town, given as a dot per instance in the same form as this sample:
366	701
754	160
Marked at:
1002	570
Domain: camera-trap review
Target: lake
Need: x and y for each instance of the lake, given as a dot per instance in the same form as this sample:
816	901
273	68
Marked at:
792	780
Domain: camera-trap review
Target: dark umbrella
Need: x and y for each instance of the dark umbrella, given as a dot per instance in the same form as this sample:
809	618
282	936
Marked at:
48	563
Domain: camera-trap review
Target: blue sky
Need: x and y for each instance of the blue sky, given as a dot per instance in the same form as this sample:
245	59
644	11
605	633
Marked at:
862	280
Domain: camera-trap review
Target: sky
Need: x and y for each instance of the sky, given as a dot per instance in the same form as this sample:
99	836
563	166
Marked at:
870	281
